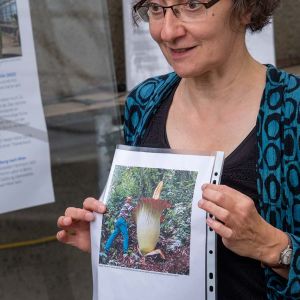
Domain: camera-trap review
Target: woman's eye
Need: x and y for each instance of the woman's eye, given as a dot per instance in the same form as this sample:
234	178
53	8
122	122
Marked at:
155	8
193	5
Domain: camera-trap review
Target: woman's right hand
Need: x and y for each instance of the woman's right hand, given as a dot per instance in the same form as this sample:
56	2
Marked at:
75	224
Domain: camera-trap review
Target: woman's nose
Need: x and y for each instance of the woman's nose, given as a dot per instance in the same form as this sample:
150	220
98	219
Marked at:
171	27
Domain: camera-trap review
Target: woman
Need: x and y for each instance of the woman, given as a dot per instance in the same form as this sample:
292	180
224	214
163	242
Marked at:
220	98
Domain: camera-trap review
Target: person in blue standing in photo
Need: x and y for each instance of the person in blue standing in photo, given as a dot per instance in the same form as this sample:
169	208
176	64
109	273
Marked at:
121	226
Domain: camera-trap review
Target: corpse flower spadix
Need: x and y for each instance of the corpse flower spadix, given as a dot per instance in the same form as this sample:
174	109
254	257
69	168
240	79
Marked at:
147	215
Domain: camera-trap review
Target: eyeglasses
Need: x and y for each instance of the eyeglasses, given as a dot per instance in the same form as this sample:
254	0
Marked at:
188	11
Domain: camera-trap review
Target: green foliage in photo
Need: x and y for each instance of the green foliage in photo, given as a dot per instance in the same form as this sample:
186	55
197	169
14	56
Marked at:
178	189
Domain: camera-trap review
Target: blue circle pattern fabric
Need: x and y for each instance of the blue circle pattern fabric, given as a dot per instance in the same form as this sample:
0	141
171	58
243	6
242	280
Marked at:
279	170
278	166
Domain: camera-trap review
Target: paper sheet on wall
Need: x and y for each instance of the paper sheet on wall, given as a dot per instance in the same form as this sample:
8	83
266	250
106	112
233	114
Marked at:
25	174
162	243
144	58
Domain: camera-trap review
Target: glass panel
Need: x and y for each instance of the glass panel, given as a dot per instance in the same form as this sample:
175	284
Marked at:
78	89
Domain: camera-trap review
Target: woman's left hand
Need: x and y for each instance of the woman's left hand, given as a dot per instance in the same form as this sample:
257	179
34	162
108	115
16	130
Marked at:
238	222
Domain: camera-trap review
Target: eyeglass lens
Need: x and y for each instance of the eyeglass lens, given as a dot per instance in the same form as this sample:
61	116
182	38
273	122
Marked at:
186	12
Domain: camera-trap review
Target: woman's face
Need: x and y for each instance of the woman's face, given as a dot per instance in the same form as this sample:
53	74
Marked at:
194	48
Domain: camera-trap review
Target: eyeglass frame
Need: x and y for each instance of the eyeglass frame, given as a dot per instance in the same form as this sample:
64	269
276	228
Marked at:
140	4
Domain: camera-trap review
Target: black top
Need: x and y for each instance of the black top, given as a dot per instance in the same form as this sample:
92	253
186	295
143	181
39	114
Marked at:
237	277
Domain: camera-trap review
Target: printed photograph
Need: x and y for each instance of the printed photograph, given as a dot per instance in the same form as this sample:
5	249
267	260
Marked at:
148	221
10	41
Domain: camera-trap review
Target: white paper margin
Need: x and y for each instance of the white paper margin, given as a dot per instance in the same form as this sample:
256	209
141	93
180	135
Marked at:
112	283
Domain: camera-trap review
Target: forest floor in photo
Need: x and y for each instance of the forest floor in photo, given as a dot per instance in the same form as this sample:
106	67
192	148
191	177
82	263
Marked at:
175	261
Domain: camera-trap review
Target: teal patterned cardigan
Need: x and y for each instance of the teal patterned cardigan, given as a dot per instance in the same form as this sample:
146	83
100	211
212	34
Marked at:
278	166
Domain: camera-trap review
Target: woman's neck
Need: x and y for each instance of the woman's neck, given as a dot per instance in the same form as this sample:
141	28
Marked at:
223	85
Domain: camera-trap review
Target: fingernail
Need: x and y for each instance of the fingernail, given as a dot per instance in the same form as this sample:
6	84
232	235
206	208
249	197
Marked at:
89	217
66	221
200	203
204	186
209	221
101	209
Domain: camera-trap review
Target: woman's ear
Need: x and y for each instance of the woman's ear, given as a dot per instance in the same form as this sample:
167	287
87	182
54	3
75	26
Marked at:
246	18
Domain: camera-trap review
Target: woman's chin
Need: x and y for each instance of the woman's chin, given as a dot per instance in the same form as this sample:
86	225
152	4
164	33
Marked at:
192	71
185	73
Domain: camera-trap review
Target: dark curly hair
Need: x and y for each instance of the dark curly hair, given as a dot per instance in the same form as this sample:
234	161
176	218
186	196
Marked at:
260	10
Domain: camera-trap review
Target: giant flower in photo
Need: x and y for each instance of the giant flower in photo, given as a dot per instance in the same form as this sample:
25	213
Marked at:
147	216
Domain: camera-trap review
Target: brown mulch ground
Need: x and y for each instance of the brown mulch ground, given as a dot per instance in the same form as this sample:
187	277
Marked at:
175	262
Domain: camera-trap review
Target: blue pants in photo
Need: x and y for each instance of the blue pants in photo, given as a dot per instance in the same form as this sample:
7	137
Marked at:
120	227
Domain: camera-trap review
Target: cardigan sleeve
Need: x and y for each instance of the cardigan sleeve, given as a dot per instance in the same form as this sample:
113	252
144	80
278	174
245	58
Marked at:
281	288
134	111
128	134
279	172
142	102
291	182
132	114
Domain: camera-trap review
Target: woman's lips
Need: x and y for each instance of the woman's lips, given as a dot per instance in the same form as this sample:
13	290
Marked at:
180	52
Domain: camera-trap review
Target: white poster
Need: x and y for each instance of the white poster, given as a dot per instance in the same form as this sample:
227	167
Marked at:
25	172
154	236
144	58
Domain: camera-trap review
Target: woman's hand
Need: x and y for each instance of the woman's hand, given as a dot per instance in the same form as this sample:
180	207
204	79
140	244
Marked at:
75	224
242	229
